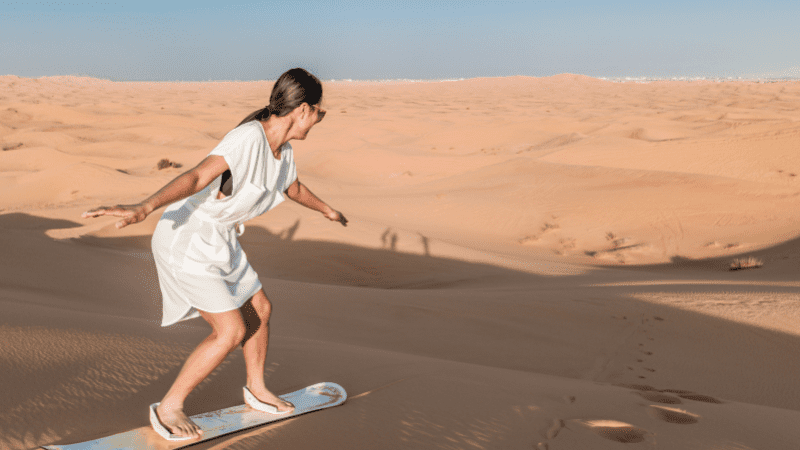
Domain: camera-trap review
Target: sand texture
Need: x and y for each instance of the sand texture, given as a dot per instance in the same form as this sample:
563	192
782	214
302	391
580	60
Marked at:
531	263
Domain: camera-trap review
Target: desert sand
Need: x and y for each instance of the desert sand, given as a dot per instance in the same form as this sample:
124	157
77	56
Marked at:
531	263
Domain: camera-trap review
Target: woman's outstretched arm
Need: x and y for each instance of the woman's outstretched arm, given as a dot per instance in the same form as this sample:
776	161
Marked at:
186	184
301	194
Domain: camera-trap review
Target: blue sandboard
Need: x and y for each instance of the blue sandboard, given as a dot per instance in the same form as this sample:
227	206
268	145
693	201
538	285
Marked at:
218	423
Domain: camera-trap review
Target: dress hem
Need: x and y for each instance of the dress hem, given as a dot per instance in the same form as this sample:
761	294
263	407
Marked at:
186	314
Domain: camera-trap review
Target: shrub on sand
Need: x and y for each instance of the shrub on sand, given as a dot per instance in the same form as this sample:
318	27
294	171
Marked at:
746	263
165	163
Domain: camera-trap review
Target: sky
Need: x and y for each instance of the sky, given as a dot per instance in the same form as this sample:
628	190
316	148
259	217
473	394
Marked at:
374	40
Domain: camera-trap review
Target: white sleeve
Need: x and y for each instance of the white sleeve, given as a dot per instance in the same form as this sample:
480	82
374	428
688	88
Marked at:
237	147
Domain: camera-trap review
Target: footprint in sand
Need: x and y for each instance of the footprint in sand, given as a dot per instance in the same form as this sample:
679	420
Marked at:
551	433
651	393
701	398
659	397
616	431
682	393
555	428
626	433
7	147
533	238
638	387
689	395
672	415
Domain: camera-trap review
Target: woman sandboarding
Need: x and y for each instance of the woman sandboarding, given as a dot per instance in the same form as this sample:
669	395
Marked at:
202	269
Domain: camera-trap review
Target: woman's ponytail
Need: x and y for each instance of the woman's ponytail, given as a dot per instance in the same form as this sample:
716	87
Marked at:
293	88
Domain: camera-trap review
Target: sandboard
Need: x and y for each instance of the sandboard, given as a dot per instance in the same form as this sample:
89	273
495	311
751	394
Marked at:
218	423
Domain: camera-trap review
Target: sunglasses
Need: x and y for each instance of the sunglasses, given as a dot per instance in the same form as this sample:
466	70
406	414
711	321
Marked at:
320	113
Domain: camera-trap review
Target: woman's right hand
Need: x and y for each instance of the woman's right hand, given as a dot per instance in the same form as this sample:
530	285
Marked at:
130	213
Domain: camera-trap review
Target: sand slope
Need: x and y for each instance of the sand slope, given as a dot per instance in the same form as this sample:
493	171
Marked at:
530	263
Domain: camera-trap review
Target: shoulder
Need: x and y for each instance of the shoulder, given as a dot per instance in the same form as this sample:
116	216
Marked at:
245	135
247	131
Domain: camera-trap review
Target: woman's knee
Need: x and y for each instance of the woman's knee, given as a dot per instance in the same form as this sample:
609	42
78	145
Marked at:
228	328
232	336
262	306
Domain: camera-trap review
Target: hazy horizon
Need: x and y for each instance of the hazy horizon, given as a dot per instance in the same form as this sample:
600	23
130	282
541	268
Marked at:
411	40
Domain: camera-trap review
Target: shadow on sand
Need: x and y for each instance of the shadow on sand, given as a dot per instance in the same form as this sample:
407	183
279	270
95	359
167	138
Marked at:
486	315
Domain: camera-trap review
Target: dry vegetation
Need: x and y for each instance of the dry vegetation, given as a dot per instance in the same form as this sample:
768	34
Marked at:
746	263
165	163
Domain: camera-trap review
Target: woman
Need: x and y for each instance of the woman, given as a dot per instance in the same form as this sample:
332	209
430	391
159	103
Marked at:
202	269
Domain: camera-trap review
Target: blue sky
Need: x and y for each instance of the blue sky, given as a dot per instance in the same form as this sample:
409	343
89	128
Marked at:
250	40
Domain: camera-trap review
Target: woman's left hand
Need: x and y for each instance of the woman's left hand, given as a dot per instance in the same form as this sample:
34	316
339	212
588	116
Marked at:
336	216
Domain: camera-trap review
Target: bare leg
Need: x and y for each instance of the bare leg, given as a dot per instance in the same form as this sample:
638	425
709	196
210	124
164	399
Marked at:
228	330
256	313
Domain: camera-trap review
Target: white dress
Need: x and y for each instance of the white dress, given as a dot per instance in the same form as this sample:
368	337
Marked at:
200	264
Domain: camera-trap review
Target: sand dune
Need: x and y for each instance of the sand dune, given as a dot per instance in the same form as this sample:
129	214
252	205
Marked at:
530	263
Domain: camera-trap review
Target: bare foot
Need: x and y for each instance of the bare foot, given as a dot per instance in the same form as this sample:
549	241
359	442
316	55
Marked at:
177	422
265	396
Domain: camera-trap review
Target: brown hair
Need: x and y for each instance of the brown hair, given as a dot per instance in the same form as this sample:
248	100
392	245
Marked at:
293	88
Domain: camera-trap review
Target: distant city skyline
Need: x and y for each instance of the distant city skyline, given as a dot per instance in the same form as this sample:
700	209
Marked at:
360	40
